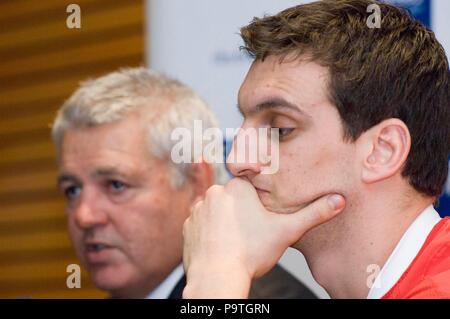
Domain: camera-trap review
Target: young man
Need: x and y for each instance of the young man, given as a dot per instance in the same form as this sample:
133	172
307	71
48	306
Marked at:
362	112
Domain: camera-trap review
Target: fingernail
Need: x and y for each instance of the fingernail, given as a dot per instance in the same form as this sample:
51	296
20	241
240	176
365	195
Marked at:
336	201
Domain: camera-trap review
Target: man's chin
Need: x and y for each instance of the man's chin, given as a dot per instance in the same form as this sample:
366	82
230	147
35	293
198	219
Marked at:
283	210
275	206
106	278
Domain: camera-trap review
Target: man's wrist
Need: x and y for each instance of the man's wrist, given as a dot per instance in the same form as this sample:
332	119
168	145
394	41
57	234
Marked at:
220	282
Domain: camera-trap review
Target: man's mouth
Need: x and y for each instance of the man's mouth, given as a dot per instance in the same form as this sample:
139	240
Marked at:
262	194
259	190
96	247
98	253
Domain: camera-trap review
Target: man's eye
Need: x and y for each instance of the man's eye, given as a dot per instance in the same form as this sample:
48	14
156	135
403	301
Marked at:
283	131
117	186
72	191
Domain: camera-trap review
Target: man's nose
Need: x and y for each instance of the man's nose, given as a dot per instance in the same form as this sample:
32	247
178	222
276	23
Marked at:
243	159
89	212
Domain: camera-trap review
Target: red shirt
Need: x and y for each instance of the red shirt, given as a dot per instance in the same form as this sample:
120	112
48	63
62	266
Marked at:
428	276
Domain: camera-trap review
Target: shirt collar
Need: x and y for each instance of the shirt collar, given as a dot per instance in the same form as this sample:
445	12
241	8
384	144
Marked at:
404	253
165	288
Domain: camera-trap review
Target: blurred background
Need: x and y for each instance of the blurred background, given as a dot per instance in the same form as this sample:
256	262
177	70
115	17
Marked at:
42	63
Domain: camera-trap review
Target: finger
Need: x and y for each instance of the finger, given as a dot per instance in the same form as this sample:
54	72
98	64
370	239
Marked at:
196	204
186	255
316	213
241	187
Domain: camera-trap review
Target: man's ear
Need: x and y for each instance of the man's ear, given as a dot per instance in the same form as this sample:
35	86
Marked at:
386	148
201	177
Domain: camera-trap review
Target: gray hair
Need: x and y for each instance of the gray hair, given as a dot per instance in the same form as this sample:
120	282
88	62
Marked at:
112	97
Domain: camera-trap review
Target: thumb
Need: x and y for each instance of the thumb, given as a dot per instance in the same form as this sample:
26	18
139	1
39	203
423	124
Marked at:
316	213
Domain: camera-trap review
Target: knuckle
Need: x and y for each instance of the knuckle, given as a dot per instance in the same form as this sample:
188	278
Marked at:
235	182
321	210
236	185
198	205
214	189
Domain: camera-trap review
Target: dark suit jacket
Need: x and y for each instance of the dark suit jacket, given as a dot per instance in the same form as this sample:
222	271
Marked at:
276	284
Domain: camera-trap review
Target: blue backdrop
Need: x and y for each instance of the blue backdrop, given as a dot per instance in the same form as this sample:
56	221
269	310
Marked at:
420	9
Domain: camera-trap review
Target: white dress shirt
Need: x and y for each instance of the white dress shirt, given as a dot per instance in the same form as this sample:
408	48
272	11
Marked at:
165	288
404	253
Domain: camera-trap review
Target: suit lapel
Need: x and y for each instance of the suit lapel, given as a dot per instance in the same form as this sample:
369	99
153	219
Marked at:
177	292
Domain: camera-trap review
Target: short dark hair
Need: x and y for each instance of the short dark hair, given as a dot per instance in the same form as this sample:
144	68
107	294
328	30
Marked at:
397	71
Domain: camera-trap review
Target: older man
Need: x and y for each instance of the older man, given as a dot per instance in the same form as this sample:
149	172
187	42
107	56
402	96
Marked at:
126	199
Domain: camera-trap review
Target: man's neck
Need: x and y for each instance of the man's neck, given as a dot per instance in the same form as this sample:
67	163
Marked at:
345	255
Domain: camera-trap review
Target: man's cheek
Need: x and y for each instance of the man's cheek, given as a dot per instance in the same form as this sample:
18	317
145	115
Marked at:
76	238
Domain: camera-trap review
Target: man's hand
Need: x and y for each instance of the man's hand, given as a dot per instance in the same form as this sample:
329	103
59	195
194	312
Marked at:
230	238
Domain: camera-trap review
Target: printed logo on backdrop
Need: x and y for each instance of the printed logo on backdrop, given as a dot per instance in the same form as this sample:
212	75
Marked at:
225	58
420	9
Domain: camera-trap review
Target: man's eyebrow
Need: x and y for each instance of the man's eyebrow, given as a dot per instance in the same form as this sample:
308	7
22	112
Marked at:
107	171
62	178
100	172
272	104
